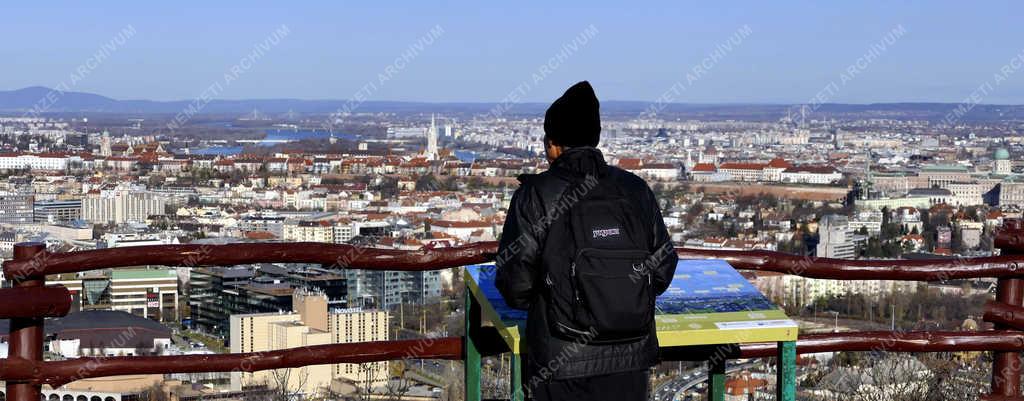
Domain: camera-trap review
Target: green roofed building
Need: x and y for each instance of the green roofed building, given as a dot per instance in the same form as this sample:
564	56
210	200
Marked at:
1001	163
150	293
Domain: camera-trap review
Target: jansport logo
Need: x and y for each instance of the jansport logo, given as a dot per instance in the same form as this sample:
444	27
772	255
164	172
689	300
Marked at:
606	232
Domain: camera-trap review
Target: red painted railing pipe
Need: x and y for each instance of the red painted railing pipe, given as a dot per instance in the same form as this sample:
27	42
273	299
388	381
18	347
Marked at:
334	255
26	333
35	301
1010	237
1009	291
344	255
60	372
1004	314
57	373
896	341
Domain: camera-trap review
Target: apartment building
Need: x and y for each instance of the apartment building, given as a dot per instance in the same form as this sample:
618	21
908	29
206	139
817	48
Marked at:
310	322
16	209
836	238
121	206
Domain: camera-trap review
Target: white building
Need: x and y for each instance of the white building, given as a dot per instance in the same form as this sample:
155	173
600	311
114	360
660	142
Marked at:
45	161
121	206
836	238
811	175
432	140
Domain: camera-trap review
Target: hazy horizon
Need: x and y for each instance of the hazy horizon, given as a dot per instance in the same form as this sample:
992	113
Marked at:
755	53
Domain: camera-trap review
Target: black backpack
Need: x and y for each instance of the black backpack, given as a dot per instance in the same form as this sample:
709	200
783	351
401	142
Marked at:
605	295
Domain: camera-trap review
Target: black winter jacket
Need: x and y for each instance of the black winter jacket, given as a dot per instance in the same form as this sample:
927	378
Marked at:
534	236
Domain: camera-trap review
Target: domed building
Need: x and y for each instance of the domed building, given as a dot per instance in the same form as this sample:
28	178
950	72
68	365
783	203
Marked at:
1002	164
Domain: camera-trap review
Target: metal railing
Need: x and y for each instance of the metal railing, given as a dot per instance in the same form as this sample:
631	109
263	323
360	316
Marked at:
31	300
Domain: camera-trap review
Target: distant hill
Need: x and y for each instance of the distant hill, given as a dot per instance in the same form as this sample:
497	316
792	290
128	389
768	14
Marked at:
24	100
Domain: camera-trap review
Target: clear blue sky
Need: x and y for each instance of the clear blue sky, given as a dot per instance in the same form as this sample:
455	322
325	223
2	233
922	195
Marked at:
793	51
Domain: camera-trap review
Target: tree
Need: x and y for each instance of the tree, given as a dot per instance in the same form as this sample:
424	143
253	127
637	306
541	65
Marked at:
368	375
154	393
287	384
399	384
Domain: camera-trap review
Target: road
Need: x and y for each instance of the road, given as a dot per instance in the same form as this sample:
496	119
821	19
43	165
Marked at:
668	391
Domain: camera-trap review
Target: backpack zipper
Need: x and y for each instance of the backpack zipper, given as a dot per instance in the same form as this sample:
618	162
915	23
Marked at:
572	272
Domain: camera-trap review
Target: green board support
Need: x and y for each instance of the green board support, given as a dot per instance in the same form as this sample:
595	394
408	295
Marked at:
516	379
716	379
471	365
785	379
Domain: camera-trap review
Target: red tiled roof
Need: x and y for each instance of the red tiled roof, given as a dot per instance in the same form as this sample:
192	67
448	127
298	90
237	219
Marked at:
741	166
630	164
779	162
704	167
459	224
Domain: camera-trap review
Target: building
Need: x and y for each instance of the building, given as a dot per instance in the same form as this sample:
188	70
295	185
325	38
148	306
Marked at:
1011	193
431	152
112	388
122	206
940	175
660	171
966	193
836	238
257	223
218	292
870	220
1001	163
57	211
16	209
207	286
151	293
310	322
46	161
748	172
463	230
308	231
821	175
148	293
789	290
743	386
388	289
943	237
935	196
970	233
921	200
773	171
102	333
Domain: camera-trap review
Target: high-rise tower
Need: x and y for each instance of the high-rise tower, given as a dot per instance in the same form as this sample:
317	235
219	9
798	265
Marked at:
105	144
432	140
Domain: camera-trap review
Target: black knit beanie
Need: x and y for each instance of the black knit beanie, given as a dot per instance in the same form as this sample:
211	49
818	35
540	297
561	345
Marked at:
575	118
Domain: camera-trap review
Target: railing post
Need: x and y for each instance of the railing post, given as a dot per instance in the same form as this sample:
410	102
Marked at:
1006	365
516	377
471	365
785	372
26	334
716	379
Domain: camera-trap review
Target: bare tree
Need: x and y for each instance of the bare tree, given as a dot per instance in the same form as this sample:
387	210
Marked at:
155	392
287	384
368	375
930	377
399	384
